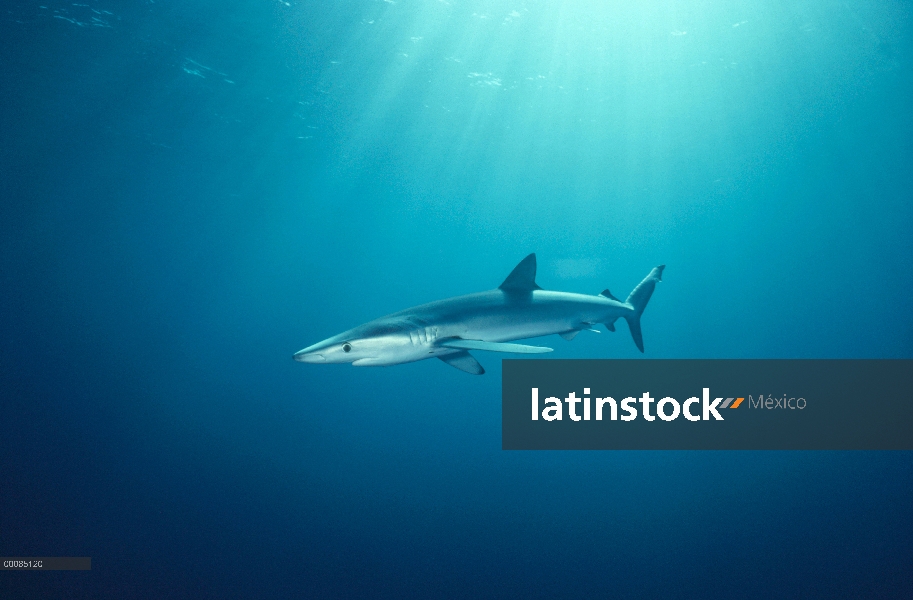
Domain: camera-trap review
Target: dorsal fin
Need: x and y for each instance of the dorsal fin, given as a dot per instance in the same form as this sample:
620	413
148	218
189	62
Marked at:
609	295
523	277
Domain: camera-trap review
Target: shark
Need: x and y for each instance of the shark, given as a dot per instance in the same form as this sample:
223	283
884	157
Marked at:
486	321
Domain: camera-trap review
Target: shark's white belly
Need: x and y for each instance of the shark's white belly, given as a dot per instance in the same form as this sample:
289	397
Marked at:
494	329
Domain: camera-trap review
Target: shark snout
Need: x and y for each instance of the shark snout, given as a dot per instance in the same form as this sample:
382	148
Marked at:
309	357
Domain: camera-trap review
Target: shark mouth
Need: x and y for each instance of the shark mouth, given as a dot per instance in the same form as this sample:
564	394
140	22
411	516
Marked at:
369	361
306	357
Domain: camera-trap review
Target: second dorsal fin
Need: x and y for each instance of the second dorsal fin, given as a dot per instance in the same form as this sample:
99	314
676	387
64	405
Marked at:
608	295
523	277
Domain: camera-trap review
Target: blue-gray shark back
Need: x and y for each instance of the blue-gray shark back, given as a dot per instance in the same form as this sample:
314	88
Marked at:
447	329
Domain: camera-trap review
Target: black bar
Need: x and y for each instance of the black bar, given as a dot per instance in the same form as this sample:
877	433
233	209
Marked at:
806	405
46	563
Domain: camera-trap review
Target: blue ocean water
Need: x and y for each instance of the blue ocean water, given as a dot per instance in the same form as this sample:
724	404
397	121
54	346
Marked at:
193	191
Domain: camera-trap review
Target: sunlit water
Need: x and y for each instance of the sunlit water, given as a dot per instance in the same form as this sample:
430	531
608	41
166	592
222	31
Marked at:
194	191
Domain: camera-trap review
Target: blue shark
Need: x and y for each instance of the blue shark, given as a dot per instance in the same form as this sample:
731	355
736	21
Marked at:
448	329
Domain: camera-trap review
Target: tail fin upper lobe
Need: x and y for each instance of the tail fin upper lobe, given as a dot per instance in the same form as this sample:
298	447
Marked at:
638	299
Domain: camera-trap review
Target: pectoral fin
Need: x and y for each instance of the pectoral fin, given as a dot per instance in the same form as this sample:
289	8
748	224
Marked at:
493	346
464	361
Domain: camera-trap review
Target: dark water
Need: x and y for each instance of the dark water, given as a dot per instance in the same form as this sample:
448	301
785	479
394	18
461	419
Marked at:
191	192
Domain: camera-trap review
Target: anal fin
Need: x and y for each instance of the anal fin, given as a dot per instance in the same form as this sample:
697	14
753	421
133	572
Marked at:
569	335
464	361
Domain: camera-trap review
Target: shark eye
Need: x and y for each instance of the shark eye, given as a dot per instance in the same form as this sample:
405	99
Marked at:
346	347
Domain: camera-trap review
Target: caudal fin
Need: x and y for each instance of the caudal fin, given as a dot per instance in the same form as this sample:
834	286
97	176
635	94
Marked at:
638	299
